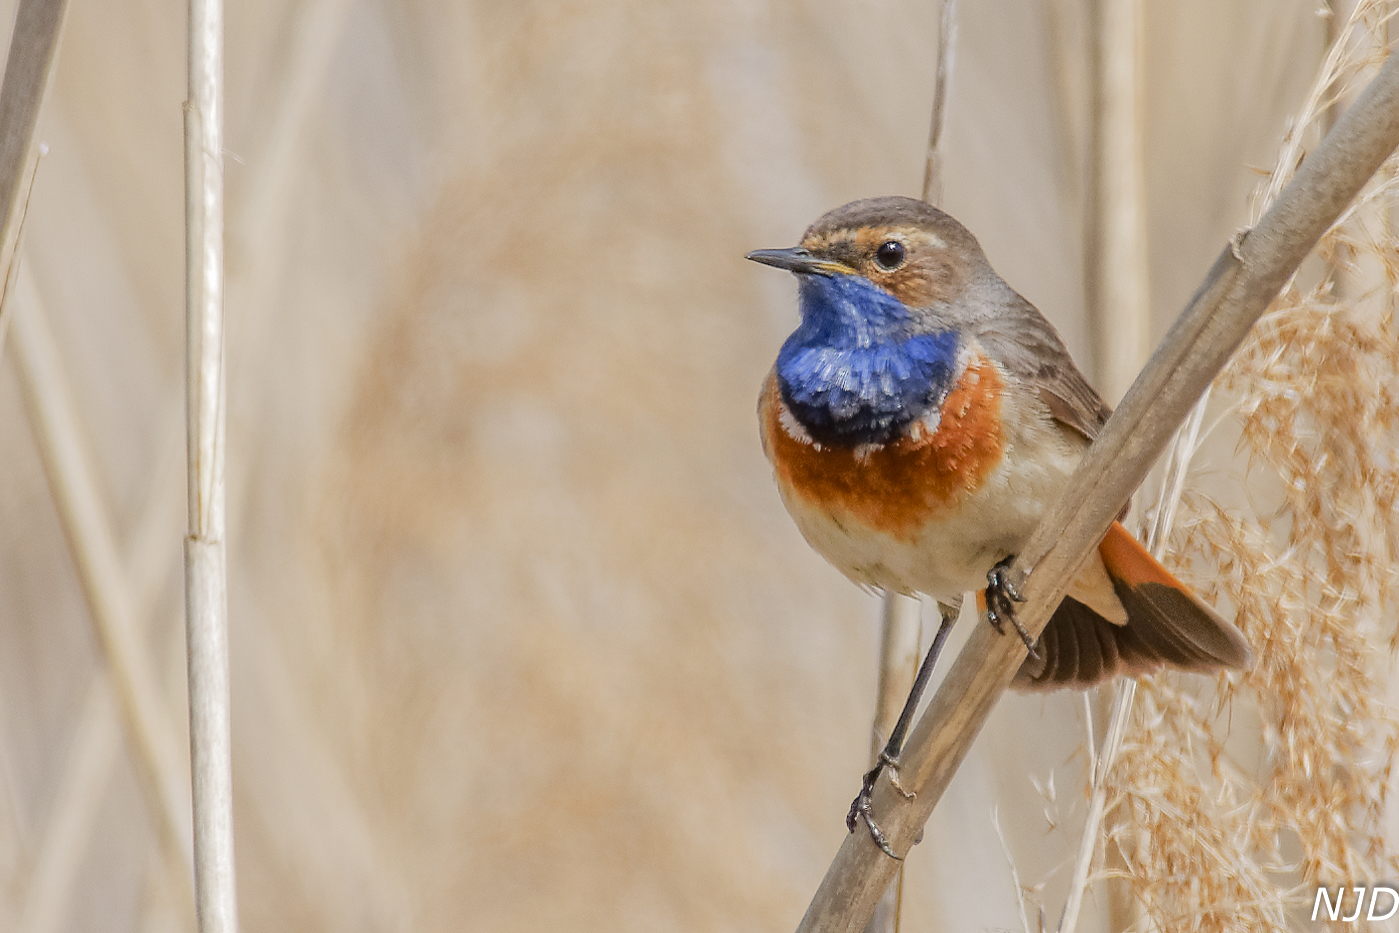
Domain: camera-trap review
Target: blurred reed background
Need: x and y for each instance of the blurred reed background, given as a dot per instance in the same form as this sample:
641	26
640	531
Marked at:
522	638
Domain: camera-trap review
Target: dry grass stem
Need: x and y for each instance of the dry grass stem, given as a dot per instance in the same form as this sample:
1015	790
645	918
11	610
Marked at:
1118	297
1117	282
1307	562
901	616
155	748
1014	874
94	751
206	587
901	622
28	73
1100	765
493	495
947	49
1245	278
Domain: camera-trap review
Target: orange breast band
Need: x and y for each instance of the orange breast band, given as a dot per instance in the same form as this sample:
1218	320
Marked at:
896	487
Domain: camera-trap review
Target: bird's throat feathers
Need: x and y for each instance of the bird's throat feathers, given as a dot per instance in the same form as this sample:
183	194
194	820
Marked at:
858	370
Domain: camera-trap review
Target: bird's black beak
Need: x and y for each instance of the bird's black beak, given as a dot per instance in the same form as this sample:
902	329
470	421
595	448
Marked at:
798	260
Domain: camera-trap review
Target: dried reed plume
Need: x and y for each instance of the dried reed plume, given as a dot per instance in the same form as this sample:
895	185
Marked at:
1234	806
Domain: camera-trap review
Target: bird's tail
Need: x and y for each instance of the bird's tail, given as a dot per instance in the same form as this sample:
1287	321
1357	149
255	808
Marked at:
1167	626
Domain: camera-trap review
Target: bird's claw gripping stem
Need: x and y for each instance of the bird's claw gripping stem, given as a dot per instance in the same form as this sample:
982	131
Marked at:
888	756
1001	597
860	807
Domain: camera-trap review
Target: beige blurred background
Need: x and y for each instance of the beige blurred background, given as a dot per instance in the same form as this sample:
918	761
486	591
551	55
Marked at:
522	638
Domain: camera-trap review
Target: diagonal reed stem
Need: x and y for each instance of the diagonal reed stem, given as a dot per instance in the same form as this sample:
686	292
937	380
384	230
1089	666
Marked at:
28	73
1244	279
154	744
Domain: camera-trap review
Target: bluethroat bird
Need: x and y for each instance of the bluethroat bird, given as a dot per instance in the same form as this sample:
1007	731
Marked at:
920	421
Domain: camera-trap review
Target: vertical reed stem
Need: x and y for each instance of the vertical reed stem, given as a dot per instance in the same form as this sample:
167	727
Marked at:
902	624
947	45
1118	292
206	596
1116	282
901	617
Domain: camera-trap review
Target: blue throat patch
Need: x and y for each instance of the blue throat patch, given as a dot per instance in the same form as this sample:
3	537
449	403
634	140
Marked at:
856	372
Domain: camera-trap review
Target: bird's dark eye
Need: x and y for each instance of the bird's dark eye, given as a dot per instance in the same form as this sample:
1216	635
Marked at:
890	255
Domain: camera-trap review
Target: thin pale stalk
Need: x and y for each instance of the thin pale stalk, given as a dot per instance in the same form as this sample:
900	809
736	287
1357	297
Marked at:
1117	289
947	46
1126	689
1117	280
902	627
1295	139
95	747
1181	451
315	31
901	616
1014	875
1243	281
206	585
155	749
902	624
93	752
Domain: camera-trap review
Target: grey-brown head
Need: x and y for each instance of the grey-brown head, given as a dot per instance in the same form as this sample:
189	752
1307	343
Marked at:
917	253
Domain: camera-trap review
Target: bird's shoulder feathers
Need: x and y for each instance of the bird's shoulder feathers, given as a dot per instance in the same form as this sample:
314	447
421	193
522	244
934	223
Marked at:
1029	349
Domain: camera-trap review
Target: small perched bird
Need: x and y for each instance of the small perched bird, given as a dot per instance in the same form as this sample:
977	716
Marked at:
920	421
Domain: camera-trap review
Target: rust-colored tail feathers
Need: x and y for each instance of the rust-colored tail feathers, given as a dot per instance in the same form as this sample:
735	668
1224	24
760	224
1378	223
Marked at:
1167	626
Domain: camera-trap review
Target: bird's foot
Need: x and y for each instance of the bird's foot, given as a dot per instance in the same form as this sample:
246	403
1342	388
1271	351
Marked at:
1001	597
892	763
861	808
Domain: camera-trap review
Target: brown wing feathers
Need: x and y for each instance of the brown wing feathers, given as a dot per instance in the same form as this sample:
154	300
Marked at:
1167	625
1028	347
